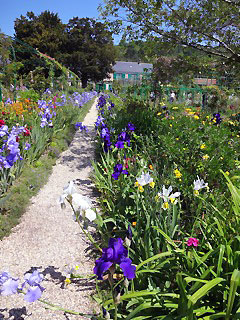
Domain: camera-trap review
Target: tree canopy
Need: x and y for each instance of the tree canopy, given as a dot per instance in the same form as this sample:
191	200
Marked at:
88	49
209	26
83	45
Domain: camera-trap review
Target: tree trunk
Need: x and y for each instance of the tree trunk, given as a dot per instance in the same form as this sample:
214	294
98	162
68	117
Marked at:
84	80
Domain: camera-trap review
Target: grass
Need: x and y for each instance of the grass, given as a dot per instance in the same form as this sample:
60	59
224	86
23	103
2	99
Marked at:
33	177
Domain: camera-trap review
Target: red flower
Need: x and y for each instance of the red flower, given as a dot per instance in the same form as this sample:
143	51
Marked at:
2	122
26	132
17	139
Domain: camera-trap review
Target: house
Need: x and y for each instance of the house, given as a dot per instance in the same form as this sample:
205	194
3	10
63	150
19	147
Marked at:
126	72
131	71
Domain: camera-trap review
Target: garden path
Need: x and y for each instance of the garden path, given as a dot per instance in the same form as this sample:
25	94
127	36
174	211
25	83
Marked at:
47	239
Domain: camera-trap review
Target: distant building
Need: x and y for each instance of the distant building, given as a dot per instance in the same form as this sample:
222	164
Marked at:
131	71
126	72
205	81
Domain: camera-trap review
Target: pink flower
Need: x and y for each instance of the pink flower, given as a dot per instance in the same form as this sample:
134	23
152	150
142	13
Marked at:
192	242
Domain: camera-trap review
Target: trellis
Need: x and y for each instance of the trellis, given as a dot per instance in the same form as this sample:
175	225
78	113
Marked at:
50	62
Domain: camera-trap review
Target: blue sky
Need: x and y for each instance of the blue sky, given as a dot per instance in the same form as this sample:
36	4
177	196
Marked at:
66	9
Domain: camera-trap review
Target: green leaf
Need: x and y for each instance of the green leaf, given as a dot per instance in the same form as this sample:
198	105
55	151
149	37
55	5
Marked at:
205	289
155	257
234	283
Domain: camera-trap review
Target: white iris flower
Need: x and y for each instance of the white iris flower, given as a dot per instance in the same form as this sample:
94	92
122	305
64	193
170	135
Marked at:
81	204
167	195
144	179
199	184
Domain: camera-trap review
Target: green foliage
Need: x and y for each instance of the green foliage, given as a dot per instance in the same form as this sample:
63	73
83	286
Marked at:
30	174
83	45
211	27
88	49
173	280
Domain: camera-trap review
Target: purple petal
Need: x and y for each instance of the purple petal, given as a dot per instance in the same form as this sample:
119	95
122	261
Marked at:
33	294
9	287
127	268
100	267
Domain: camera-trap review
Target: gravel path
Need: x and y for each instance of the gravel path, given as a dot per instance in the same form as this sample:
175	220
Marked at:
48	239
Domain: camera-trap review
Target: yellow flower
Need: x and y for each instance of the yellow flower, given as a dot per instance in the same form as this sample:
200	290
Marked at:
203	146
188	109
196	117
77	267
136	184
159	113
206	157
207	117
165	205
140	188
196	192
177	173
150	167
191	113
227	173
67	281
177	139
203	122
170	125
175	108
134	223
172	118
152	184
172	200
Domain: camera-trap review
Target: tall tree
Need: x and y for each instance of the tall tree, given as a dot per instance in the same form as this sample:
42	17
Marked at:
89	50
45	32
209	26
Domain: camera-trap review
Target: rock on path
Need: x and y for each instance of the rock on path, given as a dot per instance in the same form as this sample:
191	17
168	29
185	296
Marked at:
48	239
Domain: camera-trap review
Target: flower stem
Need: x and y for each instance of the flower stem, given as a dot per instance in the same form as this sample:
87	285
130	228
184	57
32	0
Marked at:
55	307
87	234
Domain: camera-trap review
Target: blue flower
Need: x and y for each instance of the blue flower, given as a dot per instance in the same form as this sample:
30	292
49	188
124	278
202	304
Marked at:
34	291
131	126
119	144
116	253
118	169
216	118
8	285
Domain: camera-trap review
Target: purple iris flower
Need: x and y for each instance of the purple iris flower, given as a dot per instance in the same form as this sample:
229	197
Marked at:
118	169
27	146
3	130
8	285
131	126
116	253
104	133
81	127
33	279
34	291
123	137
119	144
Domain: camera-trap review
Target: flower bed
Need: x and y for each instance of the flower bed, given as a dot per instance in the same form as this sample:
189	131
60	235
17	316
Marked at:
164	175
30	141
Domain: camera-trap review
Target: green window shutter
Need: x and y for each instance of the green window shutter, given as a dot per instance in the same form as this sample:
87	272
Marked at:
129	76
123	75
114	76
